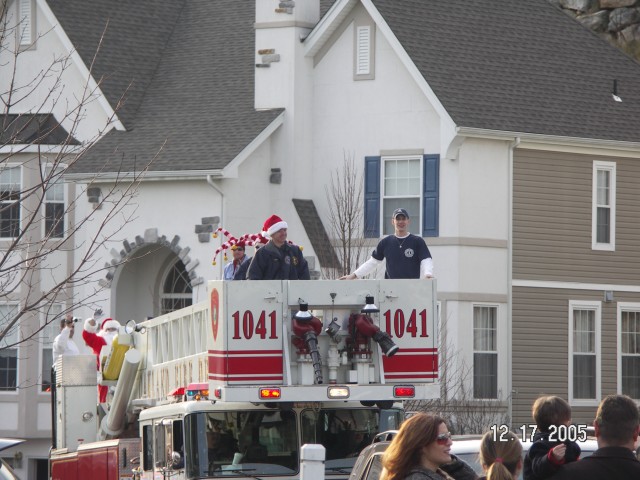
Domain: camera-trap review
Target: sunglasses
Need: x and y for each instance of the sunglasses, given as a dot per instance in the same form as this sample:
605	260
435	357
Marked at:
443	438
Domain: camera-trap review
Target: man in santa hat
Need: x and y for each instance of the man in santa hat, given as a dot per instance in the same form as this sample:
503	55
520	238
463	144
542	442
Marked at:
97	339
278	260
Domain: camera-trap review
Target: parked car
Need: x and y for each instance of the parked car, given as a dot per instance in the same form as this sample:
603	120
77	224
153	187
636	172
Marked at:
368	466
6	473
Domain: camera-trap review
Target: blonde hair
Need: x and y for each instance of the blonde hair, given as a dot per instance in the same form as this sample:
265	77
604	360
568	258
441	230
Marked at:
405	450
500	458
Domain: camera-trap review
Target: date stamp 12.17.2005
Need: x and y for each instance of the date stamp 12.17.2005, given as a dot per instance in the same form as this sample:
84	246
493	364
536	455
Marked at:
557	433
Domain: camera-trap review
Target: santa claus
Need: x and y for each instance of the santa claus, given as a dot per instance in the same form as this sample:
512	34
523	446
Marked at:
97	338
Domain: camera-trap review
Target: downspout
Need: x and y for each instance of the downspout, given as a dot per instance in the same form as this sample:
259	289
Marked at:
211	182
512	146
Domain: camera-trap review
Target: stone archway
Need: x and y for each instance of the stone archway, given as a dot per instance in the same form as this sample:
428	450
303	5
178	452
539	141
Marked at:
135	273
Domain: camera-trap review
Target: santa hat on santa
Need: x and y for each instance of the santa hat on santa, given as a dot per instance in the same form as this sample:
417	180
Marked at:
273	224
98	328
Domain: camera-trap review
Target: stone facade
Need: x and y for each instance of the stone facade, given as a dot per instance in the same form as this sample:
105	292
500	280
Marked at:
617	21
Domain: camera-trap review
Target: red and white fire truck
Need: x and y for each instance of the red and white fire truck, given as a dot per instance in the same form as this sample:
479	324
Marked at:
234	386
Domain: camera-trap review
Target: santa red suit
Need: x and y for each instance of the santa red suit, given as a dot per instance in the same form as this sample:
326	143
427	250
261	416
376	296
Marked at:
97	337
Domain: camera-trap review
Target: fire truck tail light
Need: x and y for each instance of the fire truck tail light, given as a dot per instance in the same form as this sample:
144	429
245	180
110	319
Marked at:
404	391
338	392
218	392
270	393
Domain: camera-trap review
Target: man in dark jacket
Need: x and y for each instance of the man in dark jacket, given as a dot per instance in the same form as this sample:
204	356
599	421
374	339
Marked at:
617	425
278	260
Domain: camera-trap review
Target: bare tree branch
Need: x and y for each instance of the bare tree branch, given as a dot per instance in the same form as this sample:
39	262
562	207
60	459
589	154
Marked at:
344	197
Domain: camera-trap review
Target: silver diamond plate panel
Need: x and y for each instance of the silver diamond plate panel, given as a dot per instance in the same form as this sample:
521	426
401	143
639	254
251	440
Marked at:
76	370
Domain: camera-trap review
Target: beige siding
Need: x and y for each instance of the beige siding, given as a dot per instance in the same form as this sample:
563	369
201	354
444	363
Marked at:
552	203
540	346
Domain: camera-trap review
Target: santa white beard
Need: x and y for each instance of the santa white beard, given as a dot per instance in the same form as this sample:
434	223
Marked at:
108	336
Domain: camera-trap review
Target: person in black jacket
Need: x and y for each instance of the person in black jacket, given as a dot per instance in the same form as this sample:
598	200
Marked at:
278	260
547	452
617	425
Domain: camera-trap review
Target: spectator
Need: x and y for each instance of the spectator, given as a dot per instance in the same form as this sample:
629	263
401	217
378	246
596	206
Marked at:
501	459
547	453
239	259
63	344
617	424
407	255
97	340
278	260
420	451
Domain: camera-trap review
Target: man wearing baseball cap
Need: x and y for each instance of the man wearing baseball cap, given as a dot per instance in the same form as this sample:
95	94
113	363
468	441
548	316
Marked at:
407	255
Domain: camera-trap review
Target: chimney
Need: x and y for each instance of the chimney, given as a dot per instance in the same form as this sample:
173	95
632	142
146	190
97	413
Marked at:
280	26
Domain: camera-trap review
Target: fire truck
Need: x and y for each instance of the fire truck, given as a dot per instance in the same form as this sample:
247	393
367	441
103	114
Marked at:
233	387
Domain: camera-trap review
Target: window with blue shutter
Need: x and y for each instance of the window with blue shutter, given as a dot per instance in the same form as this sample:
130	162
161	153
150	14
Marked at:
410	182
430	195
371	197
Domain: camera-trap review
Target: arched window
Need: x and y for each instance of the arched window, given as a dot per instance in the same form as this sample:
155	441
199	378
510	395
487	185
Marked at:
176	289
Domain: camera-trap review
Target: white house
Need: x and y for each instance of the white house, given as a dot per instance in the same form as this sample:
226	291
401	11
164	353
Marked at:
462	113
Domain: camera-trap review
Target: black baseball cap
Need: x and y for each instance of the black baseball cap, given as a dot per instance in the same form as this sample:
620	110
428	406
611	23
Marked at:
399	211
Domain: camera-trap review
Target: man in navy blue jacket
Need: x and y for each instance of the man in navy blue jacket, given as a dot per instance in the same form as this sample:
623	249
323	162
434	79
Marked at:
278	260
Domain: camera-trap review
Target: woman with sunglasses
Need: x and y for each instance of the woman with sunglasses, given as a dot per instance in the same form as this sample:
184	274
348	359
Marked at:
420	451
501	458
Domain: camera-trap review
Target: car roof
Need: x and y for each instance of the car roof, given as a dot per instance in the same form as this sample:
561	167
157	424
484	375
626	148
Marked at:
9	442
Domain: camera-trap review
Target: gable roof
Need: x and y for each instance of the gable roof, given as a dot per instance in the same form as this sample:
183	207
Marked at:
316	232
516	66
135	34
194	108
33	129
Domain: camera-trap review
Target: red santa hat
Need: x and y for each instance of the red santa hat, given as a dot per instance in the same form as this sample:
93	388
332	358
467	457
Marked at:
109	323
272	225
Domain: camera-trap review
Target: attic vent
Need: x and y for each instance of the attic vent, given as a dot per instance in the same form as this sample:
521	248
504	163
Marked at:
25	22
363	50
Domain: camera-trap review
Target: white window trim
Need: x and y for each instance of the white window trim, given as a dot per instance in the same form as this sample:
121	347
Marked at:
611	167
597	307
19	166
64	204
501	346
622	307
15	392
364	31
416	219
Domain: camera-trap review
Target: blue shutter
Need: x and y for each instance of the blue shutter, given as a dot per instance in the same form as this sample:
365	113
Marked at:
430	195
371	197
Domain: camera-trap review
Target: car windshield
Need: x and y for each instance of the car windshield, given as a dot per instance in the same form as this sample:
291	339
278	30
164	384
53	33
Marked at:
345	432
245	443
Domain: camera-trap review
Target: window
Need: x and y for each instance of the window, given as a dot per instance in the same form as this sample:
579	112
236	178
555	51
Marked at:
584	352
629	359
10	202
410	182
8	351
603	221
54	203
364	52
176	289
485	352
48	334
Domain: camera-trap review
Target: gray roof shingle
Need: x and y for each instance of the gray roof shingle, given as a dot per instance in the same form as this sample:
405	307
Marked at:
519	66
33	129
198	99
